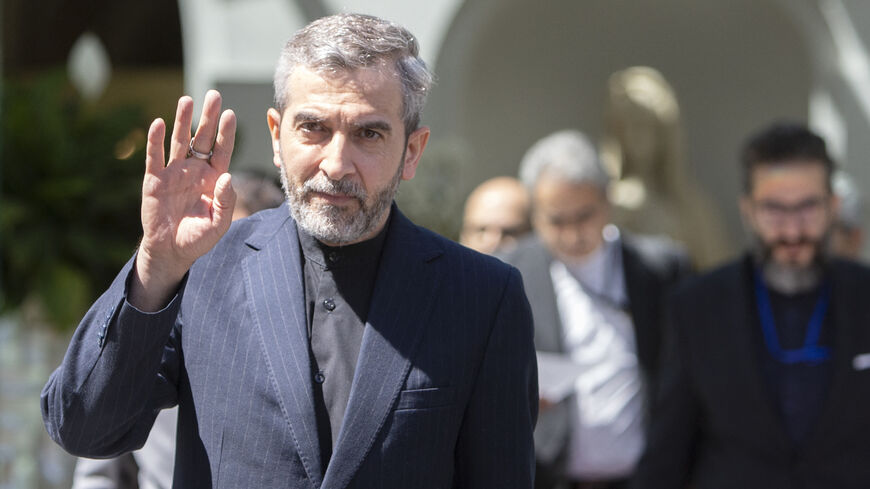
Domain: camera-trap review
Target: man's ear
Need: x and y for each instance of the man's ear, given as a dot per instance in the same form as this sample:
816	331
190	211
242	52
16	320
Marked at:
273	119
413	151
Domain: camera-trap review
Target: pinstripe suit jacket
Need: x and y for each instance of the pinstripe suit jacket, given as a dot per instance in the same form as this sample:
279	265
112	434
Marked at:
444	393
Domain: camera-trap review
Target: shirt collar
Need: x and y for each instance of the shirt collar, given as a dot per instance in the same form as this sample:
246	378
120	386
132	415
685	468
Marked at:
344	255
601	272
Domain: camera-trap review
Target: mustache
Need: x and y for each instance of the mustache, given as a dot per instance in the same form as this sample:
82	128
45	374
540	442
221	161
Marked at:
323	184
763	250
801	240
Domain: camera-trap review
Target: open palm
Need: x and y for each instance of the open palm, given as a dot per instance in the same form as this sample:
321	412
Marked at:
187	201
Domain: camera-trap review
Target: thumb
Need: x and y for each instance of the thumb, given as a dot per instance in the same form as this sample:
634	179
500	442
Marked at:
224	201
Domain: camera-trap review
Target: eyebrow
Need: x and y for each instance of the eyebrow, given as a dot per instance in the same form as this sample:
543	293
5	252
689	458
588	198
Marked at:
378	125
381	125
801	203
301	117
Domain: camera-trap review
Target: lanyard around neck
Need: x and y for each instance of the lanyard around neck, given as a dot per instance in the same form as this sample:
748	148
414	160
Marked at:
811	352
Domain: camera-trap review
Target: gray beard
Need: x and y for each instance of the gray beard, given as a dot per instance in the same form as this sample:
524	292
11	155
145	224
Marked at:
332	224
790	279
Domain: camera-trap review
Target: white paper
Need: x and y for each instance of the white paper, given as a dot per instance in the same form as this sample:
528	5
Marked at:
557	374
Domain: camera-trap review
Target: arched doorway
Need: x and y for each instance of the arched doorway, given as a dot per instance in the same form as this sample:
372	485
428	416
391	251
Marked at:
512	71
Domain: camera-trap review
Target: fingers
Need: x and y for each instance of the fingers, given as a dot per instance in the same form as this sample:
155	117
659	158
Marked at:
224	201
226	138
181	129
204	138
215	131
154	157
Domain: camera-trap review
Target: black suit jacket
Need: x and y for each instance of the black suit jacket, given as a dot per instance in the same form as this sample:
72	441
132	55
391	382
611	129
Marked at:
444	393
715	423
651	266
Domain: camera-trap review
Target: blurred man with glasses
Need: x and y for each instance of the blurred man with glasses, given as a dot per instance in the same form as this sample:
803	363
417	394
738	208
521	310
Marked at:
767	384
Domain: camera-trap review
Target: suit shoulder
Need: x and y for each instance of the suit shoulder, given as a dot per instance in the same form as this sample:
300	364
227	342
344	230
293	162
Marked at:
529	253
851	272
658	252
467	266
250	232
851	267
720	282
456	251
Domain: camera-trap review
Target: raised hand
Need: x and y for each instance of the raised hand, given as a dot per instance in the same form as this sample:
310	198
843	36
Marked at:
187	201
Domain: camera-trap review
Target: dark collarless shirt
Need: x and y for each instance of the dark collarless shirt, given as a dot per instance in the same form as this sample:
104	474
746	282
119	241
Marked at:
800	389
338	289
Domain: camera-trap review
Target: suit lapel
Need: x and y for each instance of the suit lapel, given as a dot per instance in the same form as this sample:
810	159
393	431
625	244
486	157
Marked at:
274	286
403	295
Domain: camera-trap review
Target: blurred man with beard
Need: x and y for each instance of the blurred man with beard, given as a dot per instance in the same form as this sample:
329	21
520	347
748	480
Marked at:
327	343
768	381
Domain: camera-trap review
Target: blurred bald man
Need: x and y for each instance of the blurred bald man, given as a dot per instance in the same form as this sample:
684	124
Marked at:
496	214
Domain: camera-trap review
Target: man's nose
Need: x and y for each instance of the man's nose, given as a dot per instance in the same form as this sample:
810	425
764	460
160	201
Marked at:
337	162
571	235
791	228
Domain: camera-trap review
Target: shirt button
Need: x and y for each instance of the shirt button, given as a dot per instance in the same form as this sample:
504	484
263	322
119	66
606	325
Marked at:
329	304
319	377
333	256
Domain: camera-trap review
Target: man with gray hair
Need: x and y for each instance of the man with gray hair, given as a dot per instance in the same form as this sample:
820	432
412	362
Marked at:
328	343
596	298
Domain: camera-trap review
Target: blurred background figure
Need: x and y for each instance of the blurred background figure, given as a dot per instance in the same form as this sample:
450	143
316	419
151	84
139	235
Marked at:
767	382
255	191
596	296
643	149
147	468
496	215
151	466
847	237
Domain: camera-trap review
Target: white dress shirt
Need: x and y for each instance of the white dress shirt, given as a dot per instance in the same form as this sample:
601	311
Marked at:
608	435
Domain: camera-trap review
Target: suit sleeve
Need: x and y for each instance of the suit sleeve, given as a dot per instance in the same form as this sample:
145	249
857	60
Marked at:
118	372
495	446
667	460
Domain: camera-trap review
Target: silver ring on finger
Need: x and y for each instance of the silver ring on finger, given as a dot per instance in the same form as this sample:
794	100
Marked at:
197	154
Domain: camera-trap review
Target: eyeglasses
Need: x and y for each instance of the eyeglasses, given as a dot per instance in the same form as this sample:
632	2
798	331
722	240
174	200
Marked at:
507	232
808	212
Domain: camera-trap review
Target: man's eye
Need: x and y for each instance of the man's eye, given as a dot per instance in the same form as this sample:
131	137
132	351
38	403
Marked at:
370	134
310	126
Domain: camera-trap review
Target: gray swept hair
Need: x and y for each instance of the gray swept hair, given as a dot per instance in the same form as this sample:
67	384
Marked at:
567	155
346	42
